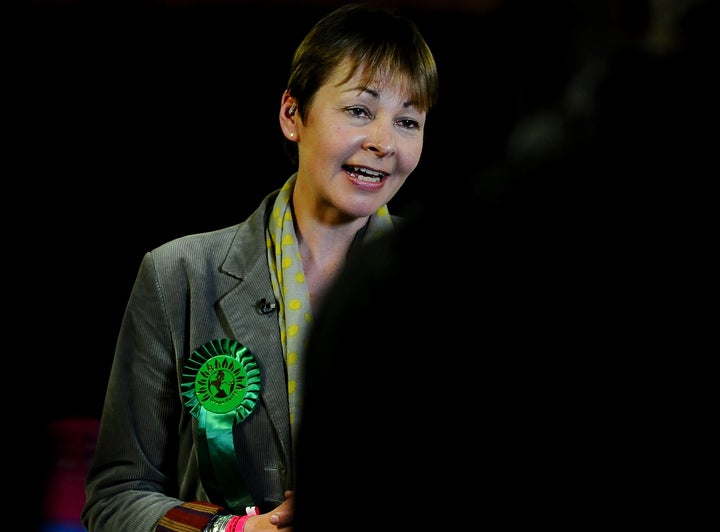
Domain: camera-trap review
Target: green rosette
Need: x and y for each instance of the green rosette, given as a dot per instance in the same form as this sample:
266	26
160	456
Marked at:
221	385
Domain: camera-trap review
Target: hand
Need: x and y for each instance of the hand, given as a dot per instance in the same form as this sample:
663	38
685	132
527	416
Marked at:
282	516
279	518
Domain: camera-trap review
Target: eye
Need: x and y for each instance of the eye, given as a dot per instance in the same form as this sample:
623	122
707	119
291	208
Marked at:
409	123
358	111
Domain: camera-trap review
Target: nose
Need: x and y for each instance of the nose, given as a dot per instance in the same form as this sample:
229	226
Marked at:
381	140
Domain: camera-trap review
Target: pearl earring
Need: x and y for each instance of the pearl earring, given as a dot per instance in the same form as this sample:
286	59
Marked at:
292	134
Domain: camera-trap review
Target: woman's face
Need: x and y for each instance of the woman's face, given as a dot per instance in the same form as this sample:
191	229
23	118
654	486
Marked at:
358	144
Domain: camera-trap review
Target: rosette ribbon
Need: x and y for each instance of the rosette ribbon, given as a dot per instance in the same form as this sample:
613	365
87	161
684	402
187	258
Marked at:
221	385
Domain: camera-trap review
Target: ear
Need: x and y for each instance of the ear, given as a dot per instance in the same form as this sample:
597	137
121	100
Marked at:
289	117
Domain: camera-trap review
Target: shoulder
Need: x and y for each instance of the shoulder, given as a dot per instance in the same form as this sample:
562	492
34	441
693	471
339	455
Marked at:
199	244
244	238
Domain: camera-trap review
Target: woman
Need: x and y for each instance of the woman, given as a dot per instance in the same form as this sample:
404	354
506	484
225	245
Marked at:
200	416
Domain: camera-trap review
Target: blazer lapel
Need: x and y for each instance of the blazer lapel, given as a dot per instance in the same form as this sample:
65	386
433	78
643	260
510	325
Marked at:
247	261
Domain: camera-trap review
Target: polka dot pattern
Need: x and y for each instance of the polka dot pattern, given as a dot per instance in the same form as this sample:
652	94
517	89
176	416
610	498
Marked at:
291	292
288	281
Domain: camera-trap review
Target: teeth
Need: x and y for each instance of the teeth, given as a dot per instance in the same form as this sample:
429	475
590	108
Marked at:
363	174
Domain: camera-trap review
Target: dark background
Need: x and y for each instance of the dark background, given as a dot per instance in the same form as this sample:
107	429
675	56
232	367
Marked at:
121	119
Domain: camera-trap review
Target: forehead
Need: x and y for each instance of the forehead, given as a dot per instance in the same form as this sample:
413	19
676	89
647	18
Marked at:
346	76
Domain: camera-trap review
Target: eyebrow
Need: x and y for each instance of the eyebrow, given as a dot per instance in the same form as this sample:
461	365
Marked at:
376	94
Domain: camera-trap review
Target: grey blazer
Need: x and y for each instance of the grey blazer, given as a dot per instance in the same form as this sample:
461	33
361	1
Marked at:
188	292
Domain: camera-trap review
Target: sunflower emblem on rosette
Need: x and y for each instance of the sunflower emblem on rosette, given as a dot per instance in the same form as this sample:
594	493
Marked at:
221	385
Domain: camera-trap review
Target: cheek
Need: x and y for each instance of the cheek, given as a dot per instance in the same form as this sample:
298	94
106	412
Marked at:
335	140
323	147
410	155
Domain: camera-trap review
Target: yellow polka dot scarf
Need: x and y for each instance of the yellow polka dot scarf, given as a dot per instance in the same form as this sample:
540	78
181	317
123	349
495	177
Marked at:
288	284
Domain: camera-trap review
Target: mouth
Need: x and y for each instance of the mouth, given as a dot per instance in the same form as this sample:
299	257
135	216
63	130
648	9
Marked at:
364	174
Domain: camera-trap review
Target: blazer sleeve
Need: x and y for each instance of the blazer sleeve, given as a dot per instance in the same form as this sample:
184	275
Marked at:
131	482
